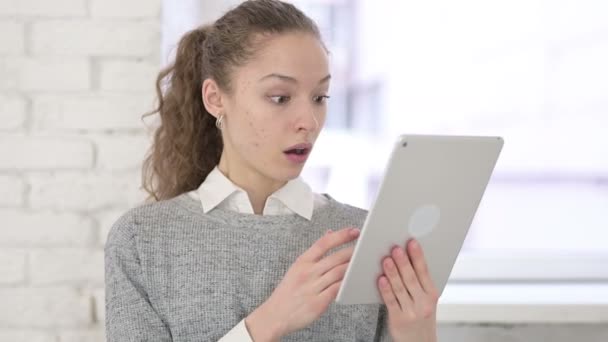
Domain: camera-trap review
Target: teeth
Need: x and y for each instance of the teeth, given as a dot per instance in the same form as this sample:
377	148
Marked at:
297	151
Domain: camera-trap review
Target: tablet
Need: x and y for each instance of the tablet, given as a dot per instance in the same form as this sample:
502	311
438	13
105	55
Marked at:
431	189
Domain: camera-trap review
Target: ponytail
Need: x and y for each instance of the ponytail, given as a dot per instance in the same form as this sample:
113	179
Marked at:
187	145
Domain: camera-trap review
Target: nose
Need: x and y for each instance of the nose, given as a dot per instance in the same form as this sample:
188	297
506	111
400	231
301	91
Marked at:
308	119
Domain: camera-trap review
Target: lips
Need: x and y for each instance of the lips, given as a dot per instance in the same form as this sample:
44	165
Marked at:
299	149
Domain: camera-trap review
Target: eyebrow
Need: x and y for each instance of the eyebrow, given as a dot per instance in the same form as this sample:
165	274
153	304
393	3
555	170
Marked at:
291	79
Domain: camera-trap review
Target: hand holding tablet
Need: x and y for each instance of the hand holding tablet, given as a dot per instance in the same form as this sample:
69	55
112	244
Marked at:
431	190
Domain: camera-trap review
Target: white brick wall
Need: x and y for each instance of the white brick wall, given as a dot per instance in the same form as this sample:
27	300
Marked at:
90	112
13	188
128	75
105	220
25	336
121	152
76	76
100	298
125	9
84	191
109	38
83	336
12	267
75	267
12	36
30	228
36	8
12	111
44	74
24	152
44	308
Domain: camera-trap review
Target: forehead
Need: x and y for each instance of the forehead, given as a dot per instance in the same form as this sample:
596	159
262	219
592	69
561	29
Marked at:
300	55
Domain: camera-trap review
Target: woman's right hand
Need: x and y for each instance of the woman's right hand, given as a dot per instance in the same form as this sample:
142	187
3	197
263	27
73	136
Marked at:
307	289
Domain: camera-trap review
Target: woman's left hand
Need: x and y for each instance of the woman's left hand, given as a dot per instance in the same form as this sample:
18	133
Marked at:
409	294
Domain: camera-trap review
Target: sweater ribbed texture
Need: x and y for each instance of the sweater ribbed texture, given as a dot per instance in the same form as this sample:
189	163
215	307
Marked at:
174	273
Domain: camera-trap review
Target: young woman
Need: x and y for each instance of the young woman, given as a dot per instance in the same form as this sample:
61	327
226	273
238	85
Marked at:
235	246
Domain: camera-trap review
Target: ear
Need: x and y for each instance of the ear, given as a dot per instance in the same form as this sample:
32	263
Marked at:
212	97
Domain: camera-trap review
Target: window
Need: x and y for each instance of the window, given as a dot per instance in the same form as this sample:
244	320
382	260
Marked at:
531	71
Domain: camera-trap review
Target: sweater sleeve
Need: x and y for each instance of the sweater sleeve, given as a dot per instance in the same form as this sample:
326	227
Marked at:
382	334
130	316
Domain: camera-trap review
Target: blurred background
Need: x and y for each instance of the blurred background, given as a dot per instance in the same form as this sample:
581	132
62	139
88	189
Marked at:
76	76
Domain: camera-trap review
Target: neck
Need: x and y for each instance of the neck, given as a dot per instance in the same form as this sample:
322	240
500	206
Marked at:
257	186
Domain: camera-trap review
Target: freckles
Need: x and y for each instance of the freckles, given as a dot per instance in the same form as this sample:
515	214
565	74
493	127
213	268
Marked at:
257	135
258	132
260	137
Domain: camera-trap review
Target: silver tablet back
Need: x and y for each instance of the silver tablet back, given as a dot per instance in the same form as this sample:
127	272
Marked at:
431	190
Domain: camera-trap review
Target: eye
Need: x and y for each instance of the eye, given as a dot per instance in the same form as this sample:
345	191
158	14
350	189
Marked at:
320	99
279	99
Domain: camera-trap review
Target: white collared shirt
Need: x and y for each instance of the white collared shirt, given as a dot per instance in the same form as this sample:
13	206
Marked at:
217	191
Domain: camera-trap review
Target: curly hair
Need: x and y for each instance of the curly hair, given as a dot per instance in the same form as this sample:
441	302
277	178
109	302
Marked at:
187	145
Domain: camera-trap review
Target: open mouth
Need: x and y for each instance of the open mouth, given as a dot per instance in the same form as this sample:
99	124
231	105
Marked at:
298	151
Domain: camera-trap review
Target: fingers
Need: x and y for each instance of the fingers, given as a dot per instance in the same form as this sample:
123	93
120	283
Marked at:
321	302
396	283
386	292
330	294
329	262
406	272
328	242
336	274
420	267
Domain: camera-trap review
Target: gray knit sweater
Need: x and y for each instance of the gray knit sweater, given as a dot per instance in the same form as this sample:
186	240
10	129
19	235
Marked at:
174	273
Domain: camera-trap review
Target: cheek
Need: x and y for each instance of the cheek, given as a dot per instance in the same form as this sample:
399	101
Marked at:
258	131
321	120
322	116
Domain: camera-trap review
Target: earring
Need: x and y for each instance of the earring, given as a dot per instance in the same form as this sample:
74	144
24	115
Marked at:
219	122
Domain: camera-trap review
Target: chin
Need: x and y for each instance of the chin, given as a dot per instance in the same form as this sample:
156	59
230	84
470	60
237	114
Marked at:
281	170
291	173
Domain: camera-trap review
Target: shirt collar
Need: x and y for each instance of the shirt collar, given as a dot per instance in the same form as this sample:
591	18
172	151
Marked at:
296	195
215	189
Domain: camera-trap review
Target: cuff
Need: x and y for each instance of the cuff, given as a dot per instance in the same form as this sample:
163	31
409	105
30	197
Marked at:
238	334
